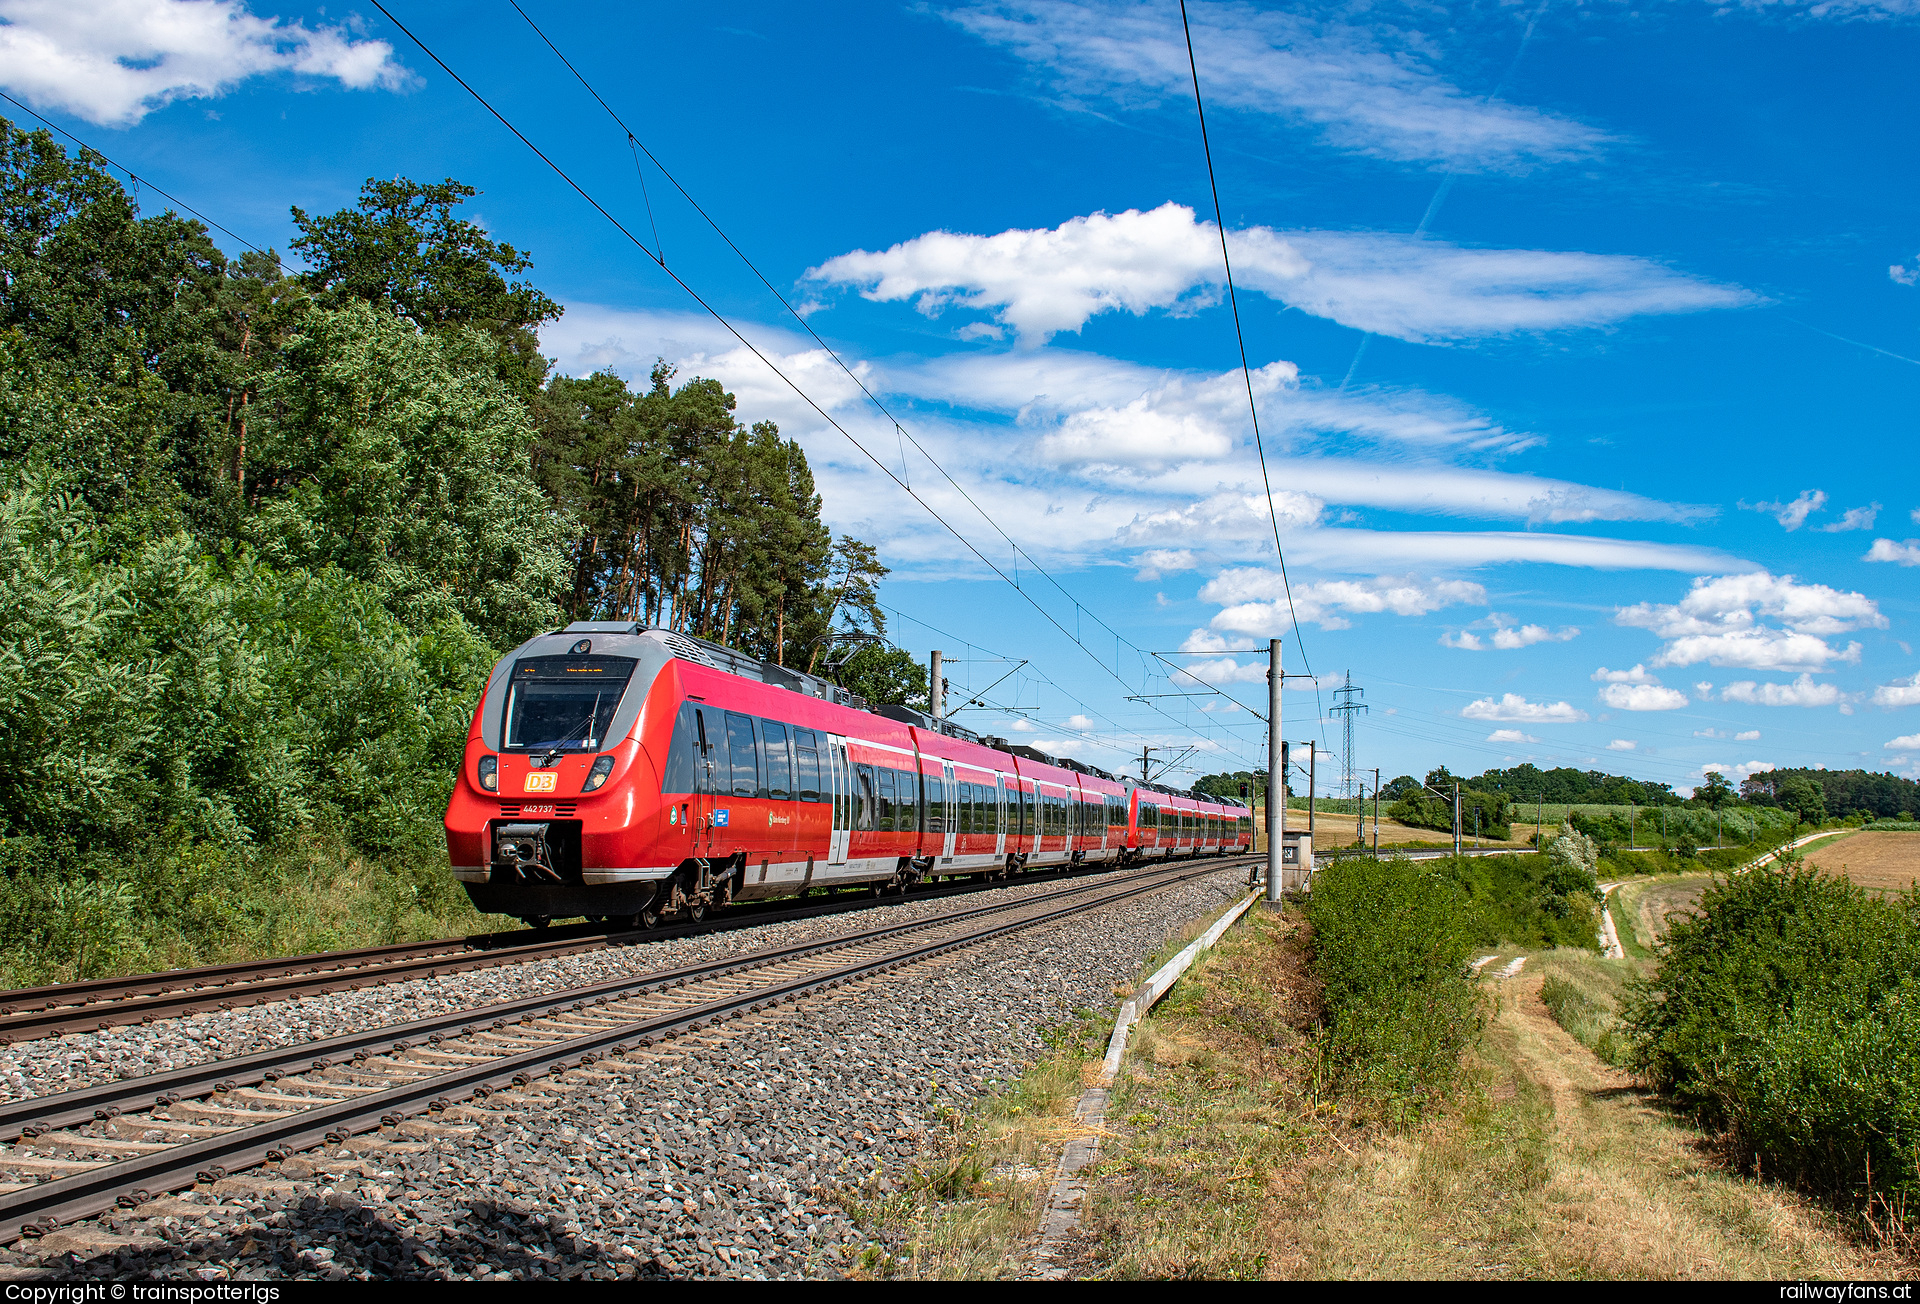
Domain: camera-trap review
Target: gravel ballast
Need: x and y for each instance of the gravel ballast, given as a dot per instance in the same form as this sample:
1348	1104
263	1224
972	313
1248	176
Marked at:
711	1156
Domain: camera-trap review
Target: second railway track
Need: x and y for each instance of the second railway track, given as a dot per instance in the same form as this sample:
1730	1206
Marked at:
34	1013
75	1154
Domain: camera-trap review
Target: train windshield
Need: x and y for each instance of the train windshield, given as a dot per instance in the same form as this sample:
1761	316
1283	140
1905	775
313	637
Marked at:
564	703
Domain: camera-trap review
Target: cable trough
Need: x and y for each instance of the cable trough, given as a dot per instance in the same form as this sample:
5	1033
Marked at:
78	1154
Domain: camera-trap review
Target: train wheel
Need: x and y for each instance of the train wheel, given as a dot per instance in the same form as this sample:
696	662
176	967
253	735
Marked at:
648	918
696	911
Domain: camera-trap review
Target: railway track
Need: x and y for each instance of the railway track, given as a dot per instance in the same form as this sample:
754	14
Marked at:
29	1014
81	1153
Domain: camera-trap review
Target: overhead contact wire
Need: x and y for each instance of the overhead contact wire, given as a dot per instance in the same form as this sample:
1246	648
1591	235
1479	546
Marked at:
750	346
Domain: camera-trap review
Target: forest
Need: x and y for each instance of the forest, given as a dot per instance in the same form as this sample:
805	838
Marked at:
267	527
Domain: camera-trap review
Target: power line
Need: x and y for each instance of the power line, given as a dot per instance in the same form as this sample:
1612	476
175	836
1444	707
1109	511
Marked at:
752	348
138	180
899	429
1246	372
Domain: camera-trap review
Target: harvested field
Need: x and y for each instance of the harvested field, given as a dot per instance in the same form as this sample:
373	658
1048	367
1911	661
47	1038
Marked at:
1650	906
1886	862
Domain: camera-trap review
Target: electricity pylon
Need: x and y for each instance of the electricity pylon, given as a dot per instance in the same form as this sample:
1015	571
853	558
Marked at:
1346	706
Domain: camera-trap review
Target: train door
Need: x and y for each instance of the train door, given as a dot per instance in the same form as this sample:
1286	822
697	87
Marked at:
711	769
1000	816
952	823
842	779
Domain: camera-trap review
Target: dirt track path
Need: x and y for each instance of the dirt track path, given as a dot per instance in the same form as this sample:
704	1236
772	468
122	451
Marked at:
1556	1166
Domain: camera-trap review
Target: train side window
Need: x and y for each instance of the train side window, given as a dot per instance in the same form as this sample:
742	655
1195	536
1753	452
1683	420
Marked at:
864	798
887	807
936	790
711	730
746	756
681	753
778	760
807	764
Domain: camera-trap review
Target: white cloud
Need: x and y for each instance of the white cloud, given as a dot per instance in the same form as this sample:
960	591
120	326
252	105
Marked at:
1371	90
1255	600
1717	623
1642	697
1738	772
1157	561
1508	638
1901	692
1044	281
1801	692
1747	736
115	61
1855	518
1637	675
1079	722
996	422
1904	554
1793	515
1510	736
1514	707
1622	745
1904	742
1703	687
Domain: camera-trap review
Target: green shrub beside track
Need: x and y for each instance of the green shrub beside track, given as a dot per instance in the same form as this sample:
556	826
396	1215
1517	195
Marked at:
1786	1014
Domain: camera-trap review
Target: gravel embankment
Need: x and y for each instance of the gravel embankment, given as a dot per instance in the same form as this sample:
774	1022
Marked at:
81	1059
709	1156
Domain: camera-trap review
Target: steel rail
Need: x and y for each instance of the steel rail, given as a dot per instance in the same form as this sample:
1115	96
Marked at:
100	1004
38	1208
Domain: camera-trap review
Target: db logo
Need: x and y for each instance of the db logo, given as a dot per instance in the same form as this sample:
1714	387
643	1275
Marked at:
541	782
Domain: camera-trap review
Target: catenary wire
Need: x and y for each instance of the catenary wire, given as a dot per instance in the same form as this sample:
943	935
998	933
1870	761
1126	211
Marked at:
1246	372
900	430
751	347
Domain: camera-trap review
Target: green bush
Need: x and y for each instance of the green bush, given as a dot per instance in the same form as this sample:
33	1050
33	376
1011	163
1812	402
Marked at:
1390	943
1526	899
1787	1014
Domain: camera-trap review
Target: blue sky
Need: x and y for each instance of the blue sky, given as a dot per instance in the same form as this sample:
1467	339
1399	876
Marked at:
1584	336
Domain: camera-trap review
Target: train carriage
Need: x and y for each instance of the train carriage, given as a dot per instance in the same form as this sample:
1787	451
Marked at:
625	773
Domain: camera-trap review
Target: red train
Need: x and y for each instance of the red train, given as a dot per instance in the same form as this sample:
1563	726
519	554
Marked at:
625	773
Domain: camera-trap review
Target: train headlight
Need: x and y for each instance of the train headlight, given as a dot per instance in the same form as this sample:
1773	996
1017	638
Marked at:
598	774
490	773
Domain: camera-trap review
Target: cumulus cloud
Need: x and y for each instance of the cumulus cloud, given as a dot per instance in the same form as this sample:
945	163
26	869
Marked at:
1510	736
1637	675
1901	692
1747	736
1044	281
1079	722
1642	697
1366	90
1801	692
1901	274
1622	745
115	61
1718	623
1156	562
1508	637
1905	742
1903	554
1854	518
1255	600
1513	707
1744	770
1792	515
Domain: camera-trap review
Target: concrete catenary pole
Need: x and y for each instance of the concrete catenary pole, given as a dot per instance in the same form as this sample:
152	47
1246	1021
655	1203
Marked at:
1276	773
1376	812
1456	817
936	688
1313	787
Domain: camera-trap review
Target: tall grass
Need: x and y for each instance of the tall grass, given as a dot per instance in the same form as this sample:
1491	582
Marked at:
1786	1014
67	916
1390	943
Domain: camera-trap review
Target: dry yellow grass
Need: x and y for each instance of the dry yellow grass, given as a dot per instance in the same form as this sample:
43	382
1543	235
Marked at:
1557	1166
1887	861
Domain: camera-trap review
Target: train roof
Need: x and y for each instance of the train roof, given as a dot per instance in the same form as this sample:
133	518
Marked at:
733	662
